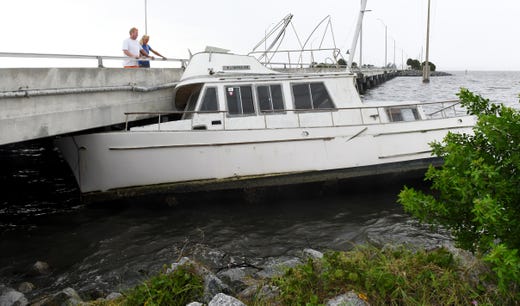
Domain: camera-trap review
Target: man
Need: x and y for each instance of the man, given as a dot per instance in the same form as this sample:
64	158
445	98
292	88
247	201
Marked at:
132	49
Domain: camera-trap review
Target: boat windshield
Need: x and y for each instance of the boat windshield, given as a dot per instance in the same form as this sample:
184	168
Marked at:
192	103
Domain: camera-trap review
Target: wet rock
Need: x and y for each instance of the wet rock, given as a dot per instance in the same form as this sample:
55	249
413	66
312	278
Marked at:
211	258
11	297
40	268
350	298
225	300
26	287
66	297
92	292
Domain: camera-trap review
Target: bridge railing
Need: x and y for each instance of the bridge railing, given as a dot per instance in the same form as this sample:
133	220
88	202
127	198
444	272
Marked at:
101	59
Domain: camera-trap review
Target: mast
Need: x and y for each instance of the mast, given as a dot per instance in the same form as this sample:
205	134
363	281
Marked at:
426	68
352	49
145	17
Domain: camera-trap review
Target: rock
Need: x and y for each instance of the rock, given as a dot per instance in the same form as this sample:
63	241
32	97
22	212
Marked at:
266	294
113	296
225	300
195	304
183	261
310	253
237	278
11	297
66	297
212	284
26	287
277	266
92	292
350	298
40	268
471	266
212	258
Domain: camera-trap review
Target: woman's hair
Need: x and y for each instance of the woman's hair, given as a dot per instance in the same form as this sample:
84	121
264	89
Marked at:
143	38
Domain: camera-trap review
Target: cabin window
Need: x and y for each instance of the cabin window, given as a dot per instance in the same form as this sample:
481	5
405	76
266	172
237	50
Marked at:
240	100
210	100
311	96
402	114
270	98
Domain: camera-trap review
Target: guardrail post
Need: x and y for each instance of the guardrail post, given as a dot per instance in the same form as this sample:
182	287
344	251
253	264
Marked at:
100	62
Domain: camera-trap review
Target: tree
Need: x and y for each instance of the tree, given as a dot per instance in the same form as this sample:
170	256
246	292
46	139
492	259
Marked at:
414	64
476	193
417	65
432	65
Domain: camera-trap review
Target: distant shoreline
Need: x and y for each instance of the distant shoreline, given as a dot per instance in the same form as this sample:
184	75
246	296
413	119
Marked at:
417	73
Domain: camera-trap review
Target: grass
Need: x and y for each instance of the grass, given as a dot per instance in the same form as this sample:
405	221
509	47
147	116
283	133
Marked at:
177	288
388	276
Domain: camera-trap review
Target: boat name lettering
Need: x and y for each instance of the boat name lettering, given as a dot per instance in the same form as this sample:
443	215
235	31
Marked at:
237	67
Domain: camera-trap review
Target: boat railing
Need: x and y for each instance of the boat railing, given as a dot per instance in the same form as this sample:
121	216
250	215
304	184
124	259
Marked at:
101	59
300	58
438	110
444	109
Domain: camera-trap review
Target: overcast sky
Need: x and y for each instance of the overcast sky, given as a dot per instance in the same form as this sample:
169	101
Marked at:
465	34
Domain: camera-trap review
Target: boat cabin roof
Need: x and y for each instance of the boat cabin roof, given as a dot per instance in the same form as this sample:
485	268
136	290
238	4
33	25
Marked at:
225	70
210	63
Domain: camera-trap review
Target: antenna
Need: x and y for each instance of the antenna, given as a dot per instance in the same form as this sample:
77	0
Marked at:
357	35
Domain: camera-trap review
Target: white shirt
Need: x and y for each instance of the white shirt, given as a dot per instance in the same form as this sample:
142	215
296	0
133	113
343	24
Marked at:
134	47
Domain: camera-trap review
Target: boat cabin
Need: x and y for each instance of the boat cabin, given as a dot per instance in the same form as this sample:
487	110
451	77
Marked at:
227	91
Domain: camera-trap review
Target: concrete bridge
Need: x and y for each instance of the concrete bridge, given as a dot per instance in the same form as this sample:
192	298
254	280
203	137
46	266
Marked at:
43	102
369	78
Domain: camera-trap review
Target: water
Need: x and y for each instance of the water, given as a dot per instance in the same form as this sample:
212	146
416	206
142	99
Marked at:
114	246
498	86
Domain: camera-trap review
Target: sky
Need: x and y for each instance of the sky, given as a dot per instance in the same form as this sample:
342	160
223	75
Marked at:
464	34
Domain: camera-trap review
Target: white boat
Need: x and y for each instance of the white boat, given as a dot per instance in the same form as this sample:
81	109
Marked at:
246	125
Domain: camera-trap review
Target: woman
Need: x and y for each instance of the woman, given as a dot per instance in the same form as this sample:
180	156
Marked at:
146	47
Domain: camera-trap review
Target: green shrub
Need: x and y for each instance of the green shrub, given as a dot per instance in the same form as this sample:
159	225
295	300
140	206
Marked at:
476	193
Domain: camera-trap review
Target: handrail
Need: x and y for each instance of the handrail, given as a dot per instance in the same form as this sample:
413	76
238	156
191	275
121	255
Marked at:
296	109
99	58
455	103
26	92
299	112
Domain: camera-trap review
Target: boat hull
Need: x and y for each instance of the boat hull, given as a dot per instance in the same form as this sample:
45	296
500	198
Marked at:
130	163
